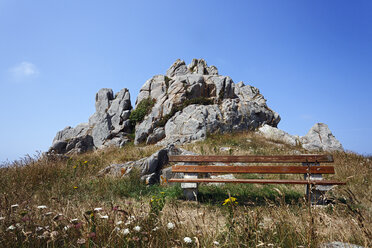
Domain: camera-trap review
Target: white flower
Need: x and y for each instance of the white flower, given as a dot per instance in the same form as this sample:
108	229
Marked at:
97	209
14	206
66	228
187	240
125	231
216	243
117	229
104	217
155	229
74	220
170	225
128	223
12	227
137	228
119	222
2	218
42	207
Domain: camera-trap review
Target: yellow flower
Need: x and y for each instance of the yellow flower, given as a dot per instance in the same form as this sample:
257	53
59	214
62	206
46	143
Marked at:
85	162
75	187
230	200
74	166
162	192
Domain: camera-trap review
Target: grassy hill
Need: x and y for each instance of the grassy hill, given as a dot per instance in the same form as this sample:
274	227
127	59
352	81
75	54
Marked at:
51	202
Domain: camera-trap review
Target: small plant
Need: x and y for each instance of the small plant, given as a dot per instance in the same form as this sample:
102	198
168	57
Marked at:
142	109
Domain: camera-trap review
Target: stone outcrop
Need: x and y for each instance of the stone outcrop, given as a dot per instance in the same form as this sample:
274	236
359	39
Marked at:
150	167
184	105
109	125
194	100
319	138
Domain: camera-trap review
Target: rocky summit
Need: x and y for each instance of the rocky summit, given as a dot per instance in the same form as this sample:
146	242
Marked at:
184	105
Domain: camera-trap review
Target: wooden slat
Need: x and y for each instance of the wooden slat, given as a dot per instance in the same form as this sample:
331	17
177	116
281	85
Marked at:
254	169
261	181
255	159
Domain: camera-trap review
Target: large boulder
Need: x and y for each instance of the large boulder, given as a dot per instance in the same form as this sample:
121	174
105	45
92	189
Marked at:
150	168
276	134
193	100
320	138
109	125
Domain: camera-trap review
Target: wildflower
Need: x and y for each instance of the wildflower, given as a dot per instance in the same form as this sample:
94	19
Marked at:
104	217
155	229
24	219
119	222
53	234
230	200
163	180
125	231
75	187
81	241
66	228
162	192
117	229
78	225
135	238
42	207
216	243
85	162
74	166
170	225
137	228
14	206
97	209
12	227
187	240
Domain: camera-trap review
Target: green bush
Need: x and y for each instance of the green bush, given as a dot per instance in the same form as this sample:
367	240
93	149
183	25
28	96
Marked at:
142	109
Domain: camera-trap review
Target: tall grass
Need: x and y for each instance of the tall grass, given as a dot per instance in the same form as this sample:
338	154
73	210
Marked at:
266	216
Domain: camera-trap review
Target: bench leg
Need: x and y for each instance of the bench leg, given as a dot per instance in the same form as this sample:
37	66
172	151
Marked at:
315	193
190	190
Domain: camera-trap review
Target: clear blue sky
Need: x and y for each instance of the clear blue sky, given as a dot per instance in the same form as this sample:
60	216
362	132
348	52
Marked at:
312	60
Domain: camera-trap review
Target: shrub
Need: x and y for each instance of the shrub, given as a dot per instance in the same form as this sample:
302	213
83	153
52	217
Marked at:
142	109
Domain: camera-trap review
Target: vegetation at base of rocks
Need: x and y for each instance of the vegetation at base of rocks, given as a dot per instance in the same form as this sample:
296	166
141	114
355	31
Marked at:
179	107
142	109
60	202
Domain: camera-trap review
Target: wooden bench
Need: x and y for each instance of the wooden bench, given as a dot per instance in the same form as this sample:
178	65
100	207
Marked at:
192	166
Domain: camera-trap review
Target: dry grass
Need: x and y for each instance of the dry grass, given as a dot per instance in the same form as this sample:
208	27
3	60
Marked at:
266	216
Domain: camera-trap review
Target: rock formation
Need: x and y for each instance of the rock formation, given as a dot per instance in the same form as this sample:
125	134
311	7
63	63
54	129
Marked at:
194	100
319	138
184	105
109	125
150	167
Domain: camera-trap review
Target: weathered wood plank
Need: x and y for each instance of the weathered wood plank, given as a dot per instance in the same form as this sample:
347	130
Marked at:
254	169
312	158
260	181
